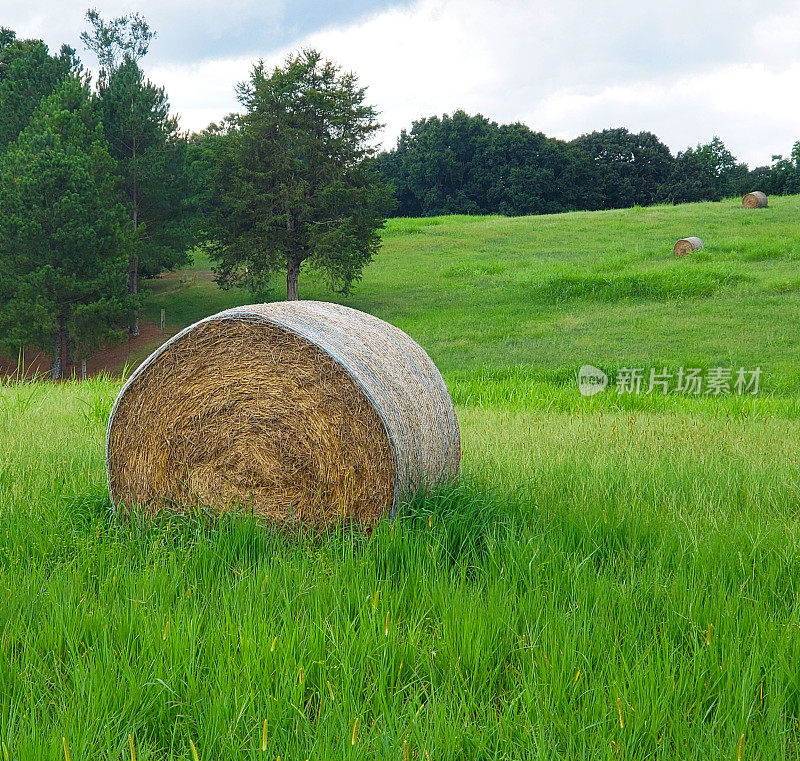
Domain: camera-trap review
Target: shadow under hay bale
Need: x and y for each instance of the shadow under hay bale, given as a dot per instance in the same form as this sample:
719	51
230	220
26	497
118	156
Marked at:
686	246
301	410
755	200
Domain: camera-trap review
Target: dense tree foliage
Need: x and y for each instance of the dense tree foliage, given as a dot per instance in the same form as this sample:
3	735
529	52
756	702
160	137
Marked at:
64	236
690	179
632	168
783	176
464	164
28	73
706	173
69	165
151	161
146	144
293	184
534	174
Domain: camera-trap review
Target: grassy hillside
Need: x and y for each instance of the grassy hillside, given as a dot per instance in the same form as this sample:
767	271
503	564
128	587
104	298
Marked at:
549	293
613	577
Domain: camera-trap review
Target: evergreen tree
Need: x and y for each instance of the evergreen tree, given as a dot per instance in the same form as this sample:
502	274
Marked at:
145	142
28	73
293	185
151	161
64	238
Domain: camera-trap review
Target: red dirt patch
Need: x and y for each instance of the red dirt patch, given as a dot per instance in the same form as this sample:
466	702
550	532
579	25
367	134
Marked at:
110	360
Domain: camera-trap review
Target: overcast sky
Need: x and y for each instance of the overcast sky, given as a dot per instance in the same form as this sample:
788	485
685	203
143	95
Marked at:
686	70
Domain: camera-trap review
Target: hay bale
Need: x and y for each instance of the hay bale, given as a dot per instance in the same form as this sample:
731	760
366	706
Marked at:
686	246
299	410
754	200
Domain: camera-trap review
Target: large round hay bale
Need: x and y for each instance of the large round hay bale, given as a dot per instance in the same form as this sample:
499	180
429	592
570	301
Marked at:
298	410
686	246
754	200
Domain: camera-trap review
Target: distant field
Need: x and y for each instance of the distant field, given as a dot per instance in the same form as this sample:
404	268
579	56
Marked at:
613	577
545	294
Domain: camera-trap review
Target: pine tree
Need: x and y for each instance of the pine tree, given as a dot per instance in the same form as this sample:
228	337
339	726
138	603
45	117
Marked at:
28	73
146	144
64	238
151	161
294	183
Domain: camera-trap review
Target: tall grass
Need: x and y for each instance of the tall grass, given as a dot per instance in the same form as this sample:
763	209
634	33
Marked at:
613	577
601	583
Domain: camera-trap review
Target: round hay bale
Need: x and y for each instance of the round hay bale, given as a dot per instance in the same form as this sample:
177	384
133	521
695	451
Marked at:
686	246
297	410
754	200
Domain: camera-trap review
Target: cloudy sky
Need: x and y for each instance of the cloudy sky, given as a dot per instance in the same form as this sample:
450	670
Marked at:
686	70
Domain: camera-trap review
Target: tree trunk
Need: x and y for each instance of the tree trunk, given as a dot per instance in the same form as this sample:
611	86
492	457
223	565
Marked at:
292	265
64	342
133	289
70	356
56	366
133	272
83	368
292	277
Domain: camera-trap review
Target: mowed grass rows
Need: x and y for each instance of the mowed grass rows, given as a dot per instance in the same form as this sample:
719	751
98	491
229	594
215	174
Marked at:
614	577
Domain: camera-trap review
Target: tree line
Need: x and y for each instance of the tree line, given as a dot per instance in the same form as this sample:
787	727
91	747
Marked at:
99	188
93	191
468	164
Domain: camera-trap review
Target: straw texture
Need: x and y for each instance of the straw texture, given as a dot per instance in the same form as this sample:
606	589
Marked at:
754	200
297	410
686	246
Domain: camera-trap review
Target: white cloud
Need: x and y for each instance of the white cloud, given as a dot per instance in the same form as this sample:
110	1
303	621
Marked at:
685	70
202	93
776	37
748	105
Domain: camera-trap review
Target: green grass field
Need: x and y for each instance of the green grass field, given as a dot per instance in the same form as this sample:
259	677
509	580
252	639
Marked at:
613	577
496	296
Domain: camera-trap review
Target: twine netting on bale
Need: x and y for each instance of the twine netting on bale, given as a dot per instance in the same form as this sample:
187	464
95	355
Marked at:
298	410
754	200
686	246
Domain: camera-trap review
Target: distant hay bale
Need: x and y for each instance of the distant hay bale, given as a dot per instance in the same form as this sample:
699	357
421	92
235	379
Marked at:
686	246
754	200
301	410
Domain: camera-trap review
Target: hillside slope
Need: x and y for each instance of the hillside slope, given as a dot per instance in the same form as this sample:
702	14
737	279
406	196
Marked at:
545	294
